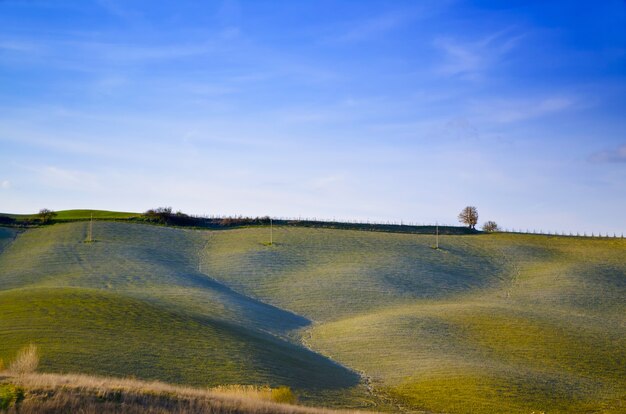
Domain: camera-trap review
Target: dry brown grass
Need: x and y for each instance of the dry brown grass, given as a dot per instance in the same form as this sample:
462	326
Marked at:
51	393
264	393
26	361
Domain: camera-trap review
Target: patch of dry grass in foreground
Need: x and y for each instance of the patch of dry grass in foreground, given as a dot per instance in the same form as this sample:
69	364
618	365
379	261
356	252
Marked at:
53	393
26	361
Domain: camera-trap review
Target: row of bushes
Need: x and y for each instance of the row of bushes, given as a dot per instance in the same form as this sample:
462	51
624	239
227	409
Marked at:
167	216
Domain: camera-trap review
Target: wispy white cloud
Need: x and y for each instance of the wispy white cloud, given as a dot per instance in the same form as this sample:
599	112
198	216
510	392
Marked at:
471	59
126	52
329	182
116	9
5	184
613	155
17	46
370	28
55	177
373	27
254	109
516	110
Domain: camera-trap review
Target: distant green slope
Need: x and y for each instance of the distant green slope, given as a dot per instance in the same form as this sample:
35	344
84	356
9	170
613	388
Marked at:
487	324
97	214
80	215
179	219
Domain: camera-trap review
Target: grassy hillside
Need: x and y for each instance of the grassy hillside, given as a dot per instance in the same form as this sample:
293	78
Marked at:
328	274
488	323
80	330
134	303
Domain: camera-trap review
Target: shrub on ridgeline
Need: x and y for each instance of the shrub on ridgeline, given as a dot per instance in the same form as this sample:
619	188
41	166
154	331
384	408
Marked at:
165	215
159	214
26	361
490	226
45	215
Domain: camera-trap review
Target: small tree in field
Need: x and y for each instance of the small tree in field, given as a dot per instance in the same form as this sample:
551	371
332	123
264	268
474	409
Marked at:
469	216
46	215
490	226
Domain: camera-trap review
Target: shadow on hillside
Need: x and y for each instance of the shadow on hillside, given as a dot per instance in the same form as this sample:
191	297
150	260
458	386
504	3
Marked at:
308	367
268	317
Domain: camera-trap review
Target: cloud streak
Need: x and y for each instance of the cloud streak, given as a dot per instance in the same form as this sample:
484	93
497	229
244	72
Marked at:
371	28
516	110
615	155
397	109
472	59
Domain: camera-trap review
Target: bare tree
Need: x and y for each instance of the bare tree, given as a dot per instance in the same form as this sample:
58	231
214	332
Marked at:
46	215
469	216
490	226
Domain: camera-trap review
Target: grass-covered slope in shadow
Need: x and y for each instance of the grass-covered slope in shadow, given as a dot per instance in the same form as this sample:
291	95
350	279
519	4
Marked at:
134	302
7	235
91	331
150	262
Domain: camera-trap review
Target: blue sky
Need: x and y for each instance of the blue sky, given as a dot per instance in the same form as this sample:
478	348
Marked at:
379	110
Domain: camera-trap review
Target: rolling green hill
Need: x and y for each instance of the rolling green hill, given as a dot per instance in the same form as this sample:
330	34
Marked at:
487	323
490	323
134	303
71	215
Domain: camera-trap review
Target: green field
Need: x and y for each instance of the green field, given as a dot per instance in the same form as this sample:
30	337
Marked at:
488	323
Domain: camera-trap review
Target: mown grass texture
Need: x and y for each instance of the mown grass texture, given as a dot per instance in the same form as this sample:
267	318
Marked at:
489	323
134	303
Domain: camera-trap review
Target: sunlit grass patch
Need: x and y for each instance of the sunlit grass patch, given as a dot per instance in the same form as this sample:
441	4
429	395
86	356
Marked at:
474	391
543	341
280	394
